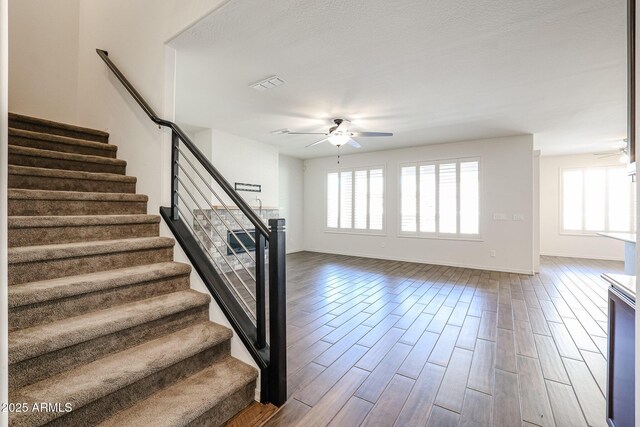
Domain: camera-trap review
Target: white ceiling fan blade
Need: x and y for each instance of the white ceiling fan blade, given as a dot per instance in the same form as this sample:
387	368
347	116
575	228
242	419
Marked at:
316	143
368	134
354	143
306	133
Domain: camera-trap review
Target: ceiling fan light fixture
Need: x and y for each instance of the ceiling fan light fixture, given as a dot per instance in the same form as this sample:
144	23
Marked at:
338	140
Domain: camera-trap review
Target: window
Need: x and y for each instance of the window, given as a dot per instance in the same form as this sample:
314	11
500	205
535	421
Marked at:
597	199
355	199
440	198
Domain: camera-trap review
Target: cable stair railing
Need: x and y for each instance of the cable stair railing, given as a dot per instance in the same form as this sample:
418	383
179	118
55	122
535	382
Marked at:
239	257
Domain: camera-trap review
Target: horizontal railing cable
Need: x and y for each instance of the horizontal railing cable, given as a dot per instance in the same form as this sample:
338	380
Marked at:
231	230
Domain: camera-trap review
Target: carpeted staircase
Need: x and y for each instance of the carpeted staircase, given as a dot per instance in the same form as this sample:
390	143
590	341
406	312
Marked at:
100	316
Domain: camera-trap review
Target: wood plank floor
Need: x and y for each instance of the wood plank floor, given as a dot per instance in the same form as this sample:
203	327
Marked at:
386	343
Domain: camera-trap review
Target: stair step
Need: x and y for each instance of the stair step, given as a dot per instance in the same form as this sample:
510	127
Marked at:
34	303
47	141
100	389
208	398
36	263
45	350
45	202
49	230
38	158
34	124
63	180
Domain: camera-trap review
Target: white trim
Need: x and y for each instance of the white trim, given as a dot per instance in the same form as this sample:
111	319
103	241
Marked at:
423	261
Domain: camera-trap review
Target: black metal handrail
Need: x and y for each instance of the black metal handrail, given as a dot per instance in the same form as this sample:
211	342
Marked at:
270	357
222	182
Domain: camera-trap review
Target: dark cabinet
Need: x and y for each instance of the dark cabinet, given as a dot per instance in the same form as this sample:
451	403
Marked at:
621	357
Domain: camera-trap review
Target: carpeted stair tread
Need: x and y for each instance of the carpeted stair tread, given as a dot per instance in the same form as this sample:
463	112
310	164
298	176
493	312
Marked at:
61	173
37	178
66	287
45	141
32	342
26	194
20	121
80	249
185	401
79	220
115	372
82	158
55	229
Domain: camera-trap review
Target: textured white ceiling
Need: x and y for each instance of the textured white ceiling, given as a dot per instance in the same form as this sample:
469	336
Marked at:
430	71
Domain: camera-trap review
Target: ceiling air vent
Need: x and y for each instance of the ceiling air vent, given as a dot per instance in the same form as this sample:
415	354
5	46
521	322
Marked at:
268	83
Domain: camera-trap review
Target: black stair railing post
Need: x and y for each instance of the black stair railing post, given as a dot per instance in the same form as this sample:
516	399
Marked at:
261	302
277	313
175	141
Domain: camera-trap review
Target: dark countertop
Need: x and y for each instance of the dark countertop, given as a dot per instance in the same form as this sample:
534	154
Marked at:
623	283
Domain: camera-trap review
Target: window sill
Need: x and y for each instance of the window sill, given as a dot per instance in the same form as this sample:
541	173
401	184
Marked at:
442	237
378	233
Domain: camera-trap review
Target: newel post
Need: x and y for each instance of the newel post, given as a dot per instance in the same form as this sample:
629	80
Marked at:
277	313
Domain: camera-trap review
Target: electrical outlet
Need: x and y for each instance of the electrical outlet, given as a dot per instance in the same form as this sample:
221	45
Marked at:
492	253
383	244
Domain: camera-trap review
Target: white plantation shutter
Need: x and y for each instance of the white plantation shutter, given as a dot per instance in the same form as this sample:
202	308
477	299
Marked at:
376	199
428	198
346	199
572	200
619	187
360	197
440	197
447	198
333	190
469	198
597	199
595	182
408	198
355	199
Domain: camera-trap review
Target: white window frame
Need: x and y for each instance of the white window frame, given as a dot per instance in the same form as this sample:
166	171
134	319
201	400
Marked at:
352	230
437	235
632	201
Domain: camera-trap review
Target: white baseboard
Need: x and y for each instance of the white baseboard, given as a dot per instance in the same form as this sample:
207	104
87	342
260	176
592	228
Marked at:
425	261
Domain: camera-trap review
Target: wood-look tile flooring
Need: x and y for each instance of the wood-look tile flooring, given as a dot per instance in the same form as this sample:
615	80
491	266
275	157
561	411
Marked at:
384	343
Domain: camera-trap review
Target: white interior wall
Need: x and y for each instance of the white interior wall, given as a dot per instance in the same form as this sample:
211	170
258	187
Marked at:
43	72
4	288
552	242
506	187
134	34
291	182
247	161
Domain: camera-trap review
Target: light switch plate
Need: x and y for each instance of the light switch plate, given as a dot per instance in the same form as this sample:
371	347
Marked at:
499	217
518	217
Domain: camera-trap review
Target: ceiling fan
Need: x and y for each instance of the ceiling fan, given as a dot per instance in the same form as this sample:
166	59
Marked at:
621	152
339	134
